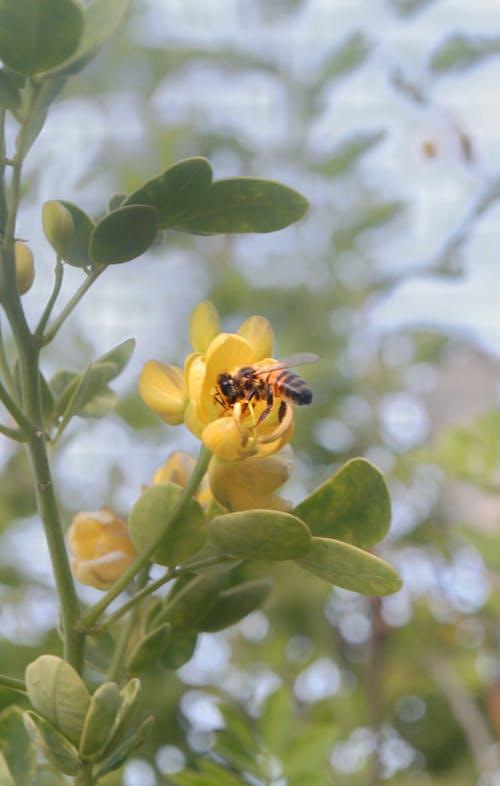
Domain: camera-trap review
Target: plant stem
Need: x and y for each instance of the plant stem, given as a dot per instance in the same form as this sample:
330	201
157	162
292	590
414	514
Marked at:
31	420
5	372
121	644
172	573
58	277
12	682
69	307
92	615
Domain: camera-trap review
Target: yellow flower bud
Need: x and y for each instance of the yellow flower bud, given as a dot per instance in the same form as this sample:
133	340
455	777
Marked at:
178	468
204	325
25	267
250	484
162	388
101	547
58	225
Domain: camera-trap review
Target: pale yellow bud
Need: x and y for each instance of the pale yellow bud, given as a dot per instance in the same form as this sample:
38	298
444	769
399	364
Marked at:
25	267
58	225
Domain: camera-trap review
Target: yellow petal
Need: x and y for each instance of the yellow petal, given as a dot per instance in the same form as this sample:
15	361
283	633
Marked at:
162	388
204	325
251	483
225	440
259	334
177	469
101	572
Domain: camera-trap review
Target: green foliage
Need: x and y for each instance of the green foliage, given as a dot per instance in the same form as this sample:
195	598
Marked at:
260	534
353	506
103	708
10	97
18	760
52	743
155	512
187	199
37	35
122	235
350	567
76	252
461	51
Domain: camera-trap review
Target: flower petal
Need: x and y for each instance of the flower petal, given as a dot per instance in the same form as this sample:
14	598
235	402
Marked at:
259	333
162	388
204	325
251	483
225	440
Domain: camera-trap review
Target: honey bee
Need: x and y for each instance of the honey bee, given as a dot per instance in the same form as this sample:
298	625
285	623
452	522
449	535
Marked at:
255	383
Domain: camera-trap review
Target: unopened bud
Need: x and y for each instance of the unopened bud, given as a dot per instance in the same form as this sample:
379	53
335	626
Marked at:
25	267
58	225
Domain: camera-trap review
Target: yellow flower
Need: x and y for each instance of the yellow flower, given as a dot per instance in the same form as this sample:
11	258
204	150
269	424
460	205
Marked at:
178	469
234	425
251	484
101	548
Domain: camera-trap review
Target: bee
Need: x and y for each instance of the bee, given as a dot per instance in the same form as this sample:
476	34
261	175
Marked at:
250	384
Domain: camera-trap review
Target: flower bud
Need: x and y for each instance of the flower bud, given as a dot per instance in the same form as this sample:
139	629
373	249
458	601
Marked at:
58	225
25	267
101	548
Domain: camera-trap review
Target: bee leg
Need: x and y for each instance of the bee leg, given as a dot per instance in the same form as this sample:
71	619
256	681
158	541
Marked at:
269	402
282	411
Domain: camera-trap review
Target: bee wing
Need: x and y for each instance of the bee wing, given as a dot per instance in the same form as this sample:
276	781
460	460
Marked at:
300	359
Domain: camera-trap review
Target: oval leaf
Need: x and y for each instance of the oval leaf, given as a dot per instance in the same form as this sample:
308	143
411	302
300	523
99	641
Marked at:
244	204
188	606
260	534
58	693
100	20
349	567
353	506
36	35
124	234
126	747
153	513
10	97
181	647
129	696
176	191
99	720
55	747
235	603
149	649
18	752
76	252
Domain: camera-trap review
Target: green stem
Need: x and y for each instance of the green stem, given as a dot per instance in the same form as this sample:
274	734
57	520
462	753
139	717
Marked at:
58	277
12	682
70	306
5	372
17	413
32	413
172	573
123	639
92	615
13	433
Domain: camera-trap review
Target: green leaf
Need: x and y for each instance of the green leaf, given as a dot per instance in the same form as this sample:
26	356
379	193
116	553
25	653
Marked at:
149	649
245	204
349	151
124	234
6	778
36	35
349	567
10	97
181	645
175	191
47	93
99	720
208	774
82	389
186	199
188	606
18	757
100	20
185	534
102	404
233	604
348	56
353	506
461	51
76	252
58	693
53	744
129	744
129	696
260	534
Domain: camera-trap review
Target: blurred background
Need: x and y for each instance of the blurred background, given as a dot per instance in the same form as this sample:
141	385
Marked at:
385	114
